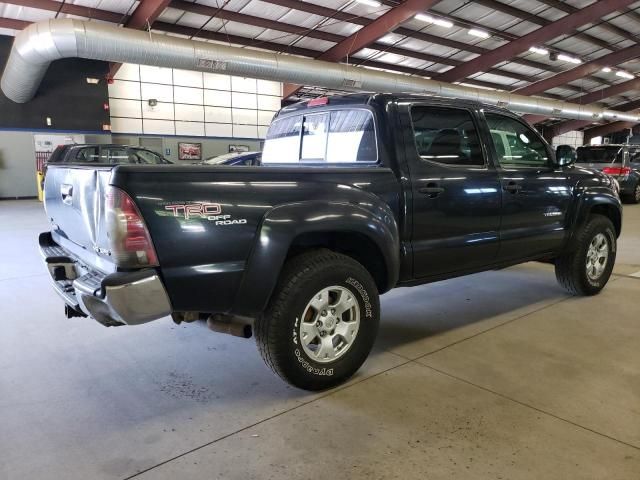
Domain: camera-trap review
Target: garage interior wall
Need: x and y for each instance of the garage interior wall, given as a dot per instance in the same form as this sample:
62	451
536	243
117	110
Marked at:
574	138
165	101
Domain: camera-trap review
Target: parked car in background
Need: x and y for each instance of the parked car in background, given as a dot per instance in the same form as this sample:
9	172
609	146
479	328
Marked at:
236	158
357	194
622	162
109	154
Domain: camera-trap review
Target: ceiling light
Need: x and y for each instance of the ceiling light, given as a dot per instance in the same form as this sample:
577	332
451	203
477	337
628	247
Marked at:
478	33
539	50
93	81
568	58
436	21
606	69
370	3
623	74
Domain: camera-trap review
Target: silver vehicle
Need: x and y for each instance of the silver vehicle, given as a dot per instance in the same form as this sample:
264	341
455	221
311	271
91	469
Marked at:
622	162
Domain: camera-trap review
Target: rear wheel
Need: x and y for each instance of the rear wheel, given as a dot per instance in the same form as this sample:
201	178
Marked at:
586	268
321	322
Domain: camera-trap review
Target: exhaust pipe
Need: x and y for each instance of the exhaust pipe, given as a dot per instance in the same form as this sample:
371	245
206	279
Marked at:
36	46
230	325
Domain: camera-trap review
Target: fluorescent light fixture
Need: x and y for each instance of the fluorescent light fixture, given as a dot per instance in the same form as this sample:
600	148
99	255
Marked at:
476	32
436	21
539	50
568	58
623	74
93	81
370	3
606	69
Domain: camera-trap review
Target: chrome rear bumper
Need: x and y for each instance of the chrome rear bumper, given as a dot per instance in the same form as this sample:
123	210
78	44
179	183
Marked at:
122	298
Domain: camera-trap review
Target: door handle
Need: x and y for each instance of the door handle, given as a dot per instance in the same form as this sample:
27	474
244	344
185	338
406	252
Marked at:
66	191
512	187
432	190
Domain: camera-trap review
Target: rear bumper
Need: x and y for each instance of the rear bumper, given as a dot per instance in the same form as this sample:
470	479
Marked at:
122	298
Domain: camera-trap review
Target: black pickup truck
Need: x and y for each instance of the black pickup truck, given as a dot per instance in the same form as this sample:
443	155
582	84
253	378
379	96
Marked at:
357	194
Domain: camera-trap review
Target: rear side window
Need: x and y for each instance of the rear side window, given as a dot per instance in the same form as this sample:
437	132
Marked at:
446	135
598	154
337	136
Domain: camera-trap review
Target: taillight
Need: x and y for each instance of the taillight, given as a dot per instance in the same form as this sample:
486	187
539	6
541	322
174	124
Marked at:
129	240
617	171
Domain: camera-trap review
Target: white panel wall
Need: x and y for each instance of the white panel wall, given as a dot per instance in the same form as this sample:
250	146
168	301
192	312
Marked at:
575	139
191	103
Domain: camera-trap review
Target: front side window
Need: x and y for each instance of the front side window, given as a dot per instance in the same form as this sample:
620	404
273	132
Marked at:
337	136
446	135
147	157
516	144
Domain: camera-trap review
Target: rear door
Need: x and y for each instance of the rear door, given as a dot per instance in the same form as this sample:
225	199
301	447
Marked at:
455	191
535	195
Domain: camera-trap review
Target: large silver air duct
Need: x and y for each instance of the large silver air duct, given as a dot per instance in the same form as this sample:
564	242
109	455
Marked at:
41	43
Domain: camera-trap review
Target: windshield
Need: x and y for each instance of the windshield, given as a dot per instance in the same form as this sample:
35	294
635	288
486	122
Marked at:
599	154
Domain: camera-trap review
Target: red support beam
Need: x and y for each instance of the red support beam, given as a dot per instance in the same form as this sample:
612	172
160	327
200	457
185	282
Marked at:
13	24
565	25
143	16
377	29
581	71
53	6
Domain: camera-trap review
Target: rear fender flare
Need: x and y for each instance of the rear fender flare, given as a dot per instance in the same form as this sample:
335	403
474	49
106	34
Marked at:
281	225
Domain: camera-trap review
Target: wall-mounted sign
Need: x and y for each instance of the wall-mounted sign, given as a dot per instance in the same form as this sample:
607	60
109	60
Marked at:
189	151
238	148
167	151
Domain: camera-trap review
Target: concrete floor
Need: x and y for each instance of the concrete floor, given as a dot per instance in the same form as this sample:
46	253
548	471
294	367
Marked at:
496	375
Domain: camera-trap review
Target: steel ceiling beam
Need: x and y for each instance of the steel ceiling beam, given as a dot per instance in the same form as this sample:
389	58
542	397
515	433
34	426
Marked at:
53	6
595	96
13	24
607	129
369	34
527	16
142	18
581	71
385	23
605	25
555	29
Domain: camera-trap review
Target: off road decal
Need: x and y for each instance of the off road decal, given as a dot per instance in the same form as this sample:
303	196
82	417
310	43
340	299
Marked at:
327	372
208	211
363	293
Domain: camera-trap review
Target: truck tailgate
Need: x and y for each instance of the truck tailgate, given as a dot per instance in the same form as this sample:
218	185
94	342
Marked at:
75	205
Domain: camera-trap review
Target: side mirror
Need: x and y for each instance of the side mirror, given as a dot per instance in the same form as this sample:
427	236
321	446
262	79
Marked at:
565	155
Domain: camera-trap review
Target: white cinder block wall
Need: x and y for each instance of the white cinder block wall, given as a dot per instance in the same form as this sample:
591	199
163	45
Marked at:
575	139
191	103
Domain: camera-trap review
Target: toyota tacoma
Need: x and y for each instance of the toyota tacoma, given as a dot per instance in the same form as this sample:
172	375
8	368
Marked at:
356	195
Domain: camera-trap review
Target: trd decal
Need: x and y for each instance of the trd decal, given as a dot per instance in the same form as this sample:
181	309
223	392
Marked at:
208	211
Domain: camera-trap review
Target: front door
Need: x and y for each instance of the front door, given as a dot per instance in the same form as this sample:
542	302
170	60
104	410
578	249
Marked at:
455	191
535	194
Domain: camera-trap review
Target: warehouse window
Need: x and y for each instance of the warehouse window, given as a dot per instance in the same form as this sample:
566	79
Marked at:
338	136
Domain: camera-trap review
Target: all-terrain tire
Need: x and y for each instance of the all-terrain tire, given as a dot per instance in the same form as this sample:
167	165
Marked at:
572	269
278	331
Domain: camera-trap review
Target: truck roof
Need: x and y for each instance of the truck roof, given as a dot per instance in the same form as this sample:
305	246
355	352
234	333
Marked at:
368	98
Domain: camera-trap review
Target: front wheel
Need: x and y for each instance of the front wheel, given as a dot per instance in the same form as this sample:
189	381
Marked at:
321	322
634	197
586	269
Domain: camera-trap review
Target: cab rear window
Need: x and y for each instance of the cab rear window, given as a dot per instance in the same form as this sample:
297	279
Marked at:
335	136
